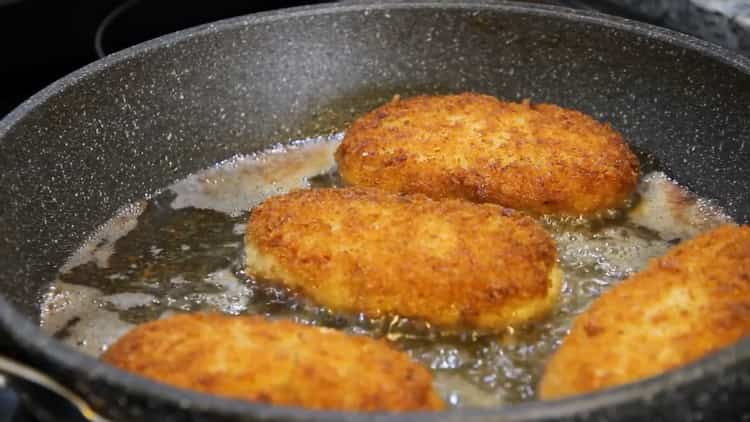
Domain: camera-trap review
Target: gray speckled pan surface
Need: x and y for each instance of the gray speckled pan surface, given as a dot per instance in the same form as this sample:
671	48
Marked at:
135	121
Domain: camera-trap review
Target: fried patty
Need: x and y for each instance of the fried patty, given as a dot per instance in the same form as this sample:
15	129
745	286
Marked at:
451	263
275	362
539	158
693	300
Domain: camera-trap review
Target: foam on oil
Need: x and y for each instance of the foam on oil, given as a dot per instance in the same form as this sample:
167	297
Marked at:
181	250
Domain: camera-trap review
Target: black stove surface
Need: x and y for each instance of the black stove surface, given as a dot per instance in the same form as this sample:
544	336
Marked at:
43	41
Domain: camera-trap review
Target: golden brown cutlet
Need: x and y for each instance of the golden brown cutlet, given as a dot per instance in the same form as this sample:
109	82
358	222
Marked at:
542	158
275	362
693	300
452	263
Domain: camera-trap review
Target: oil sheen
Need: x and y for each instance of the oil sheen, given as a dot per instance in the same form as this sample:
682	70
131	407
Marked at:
180	250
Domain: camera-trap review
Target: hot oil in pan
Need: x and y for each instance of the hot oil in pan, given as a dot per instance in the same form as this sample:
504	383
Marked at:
181	250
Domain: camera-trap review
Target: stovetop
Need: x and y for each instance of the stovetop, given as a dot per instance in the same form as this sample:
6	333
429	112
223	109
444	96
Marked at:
43	41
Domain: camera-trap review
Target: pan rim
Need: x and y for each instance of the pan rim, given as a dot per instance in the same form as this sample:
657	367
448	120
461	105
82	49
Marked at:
22	331
714	51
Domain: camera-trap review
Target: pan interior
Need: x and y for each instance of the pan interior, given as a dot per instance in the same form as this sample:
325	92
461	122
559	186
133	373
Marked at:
125	127
120	129
181	250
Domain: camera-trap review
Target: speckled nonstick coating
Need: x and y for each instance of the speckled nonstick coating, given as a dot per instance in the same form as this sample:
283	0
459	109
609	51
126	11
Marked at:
139	119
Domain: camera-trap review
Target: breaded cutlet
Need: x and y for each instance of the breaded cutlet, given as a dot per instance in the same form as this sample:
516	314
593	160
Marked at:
692	301
274	362
539	158
452	263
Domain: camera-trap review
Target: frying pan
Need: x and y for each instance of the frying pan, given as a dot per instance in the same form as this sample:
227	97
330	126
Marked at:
137	120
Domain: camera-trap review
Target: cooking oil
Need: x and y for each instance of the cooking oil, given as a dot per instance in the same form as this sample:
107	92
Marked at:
181	251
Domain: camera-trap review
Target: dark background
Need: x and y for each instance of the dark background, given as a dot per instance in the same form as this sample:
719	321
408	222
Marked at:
43	40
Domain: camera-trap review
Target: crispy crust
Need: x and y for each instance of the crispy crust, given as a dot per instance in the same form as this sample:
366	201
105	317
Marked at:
692	301
452	263
540	158
275	362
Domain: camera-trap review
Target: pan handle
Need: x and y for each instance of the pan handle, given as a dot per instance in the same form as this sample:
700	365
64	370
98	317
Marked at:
52	401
